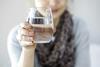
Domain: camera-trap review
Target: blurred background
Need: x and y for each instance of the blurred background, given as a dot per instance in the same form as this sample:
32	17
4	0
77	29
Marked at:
13	12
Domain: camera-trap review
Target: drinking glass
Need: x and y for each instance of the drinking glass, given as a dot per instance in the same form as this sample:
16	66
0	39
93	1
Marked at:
42	21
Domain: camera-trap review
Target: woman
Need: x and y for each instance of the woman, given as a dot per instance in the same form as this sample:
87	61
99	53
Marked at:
69	49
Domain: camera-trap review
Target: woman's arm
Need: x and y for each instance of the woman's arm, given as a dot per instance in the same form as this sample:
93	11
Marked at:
82	52
19	56
26	39
21	52
27	57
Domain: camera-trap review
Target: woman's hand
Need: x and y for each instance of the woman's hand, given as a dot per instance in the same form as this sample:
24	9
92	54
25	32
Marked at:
26	35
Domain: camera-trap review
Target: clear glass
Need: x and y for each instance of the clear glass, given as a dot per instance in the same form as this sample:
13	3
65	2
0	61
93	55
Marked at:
42	21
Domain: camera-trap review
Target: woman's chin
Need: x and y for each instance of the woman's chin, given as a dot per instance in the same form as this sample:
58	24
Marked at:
57	14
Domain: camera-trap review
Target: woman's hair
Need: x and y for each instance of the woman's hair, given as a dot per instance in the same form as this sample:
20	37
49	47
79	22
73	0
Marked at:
60	52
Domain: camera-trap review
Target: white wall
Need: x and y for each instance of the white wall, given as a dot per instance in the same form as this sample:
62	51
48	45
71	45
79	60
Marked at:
95	55
89	10
13	12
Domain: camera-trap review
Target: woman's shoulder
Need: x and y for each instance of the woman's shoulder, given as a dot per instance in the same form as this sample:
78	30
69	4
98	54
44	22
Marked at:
78	20
79	24
80	30
12	35
13	31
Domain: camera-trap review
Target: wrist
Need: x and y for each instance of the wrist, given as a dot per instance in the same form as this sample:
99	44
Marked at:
29	48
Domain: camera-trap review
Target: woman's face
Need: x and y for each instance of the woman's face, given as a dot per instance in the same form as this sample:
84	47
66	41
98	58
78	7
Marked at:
57	6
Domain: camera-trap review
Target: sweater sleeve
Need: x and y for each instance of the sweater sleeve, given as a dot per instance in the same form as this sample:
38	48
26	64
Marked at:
14	49
82	49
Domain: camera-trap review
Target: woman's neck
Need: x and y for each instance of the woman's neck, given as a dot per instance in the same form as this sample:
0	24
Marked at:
56	21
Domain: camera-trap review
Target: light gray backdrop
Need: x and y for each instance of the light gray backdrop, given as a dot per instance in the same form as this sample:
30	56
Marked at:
12	12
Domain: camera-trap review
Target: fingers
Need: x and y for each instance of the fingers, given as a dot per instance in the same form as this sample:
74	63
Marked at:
25	34
26	25
26	43
21	37
26	38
